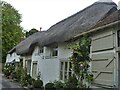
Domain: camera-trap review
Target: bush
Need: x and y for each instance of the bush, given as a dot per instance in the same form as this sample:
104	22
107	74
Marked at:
38	84
19	73
29	79
13	75
72	82
8	69
58	84
30	83
49	86
23	79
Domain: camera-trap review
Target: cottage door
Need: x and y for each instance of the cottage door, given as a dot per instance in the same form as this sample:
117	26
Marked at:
34	70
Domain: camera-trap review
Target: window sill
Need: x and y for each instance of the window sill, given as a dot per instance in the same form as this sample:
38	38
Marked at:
50	57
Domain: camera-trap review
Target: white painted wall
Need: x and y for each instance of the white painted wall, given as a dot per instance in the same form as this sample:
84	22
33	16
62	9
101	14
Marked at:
64	51
50	68
12	57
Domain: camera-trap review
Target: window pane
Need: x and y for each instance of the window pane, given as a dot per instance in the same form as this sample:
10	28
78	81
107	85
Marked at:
40	51
65	75
70	73
119	38
55	52
66	66
70	66
61	70
61	75
61	66
29	66
65	70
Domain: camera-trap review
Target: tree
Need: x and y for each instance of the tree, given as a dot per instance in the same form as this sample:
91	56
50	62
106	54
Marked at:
80	62
32	31
11	29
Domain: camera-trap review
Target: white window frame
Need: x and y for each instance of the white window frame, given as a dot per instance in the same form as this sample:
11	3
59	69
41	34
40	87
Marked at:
26	66
40	51
62	70
54	50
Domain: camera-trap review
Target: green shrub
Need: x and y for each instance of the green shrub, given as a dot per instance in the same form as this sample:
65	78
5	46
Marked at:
18	73
72	82
23	79
13	74
6	72
8	69
29	79
38	84
49	86
58	84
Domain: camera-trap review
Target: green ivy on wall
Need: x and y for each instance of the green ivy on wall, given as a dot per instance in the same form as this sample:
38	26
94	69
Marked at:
80	60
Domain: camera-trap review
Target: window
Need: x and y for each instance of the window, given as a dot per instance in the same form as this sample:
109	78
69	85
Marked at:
28	65
21	62
65	70
34	70
119	38
55	52
40	51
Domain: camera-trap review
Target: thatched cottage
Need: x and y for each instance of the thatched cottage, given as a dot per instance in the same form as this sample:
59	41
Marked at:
48	51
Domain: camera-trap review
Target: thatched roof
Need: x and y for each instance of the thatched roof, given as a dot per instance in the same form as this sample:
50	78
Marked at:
24	46
77	23
69	27
115	16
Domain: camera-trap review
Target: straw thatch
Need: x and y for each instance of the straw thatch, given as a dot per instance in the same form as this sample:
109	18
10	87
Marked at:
77	23
69	27
115	16
24	46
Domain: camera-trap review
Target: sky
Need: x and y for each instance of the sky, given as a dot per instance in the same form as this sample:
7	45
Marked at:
45	13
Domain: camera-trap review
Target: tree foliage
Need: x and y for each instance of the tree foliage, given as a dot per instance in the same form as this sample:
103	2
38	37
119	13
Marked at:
32	31
11	29
80	62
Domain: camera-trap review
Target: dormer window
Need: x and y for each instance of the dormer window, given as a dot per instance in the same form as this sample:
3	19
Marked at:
55	52
40	51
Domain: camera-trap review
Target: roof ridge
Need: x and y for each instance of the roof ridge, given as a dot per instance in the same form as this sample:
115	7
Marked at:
108	3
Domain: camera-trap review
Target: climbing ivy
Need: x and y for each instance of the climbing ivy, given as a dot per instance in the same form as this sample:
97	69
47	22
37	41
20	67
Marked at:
80	60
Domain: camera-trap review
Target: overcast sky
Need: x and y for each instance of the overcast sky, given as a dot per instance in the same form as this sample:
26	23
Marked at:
45	13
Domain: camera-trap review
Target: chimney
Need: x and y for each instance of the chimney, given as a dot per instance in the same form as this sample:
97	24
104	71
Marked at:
105	1
40	28
118	5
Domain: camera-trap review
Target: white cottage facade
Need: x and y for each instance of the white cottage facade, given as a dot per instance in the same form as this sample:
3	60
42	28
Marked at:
52	62
48	52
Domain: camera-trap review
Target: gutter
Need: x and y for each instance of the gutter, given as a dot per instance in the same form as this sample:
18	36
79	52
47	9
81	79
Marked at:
101	27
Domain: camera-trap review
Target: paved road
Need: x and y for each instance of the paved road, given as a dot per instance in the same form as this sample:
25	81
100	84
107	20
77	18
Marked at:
7	84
